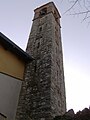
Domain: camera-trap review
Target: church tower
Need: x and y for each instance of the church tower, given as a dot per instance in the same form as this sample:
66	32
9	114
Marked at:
43	91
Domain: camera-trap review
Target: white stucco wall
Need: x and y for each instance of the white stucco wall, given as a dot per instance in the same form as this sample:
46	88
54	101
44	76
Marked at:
9	94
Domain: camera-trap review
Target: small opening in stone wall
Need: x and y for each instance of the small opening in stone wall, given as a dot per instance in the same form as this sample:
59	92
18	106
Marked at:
57	73
35	67
40	28
59	103
38	45
58	91
56	49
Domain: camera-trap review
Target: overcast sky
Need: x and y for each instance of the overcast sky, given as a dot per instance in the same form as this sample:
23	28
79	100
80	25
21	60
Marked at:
15	22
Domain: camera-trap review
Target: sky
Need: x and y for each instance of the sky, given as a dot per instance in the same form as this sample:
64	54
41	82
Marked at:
15	22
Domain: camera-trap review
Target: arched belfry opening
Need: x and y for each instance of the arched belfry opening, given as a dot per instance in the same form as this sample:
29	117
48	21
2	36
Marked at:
43	12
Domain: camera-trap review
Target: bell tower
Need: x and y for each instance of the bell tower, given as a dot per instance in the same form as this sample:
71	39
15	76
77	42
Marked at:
43	91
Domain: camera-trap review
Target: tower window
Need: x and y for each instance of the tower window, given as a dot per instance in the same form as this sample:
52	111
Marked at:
56	49
40	28
43	12
38	45
35	66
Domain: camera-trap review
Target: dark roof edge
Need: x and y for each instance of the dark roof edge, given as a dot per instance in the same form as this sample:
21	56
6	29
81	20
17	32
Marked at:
14	48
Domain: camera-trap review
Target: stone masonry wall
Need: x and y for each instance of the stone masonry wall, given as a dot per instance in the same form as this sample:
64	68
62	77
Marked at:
42	94
58	98
39	46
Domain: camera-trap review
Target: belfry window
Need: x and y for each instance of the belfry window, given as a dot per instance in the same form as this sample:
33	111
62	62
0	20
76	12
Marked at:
43	12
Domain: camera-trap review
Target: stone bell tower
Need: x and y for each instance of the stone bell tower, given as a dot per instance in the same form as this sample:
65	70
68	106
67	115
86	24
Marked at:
43	91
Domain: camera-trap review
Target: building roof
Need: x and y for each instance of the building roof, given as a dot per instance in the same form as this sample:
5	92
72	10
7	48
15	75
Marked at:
11	46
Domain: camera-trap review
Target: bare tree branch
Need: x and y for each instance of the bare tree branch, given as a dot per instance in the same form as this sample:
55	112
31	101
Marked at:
72	6
78	13
79	7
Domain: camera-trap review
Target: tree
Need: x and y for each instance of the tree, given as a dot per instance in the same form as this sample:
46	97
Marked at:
79	7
